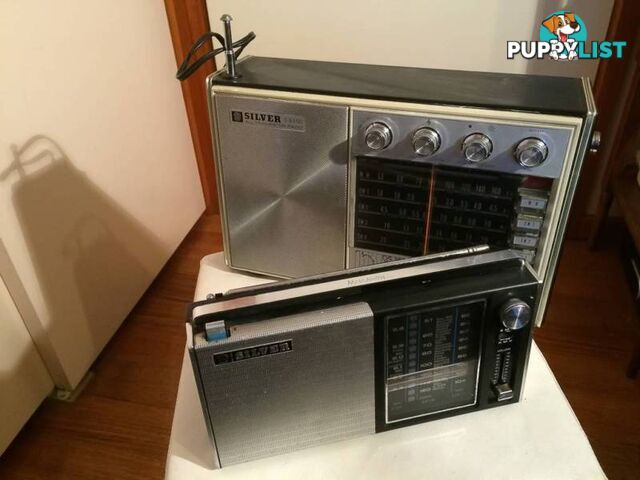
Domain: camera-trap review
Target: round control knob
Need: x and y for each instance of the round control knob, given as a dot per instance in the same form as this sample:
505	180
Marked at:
426	141
531	152
477	147
596	139
377	136
515	314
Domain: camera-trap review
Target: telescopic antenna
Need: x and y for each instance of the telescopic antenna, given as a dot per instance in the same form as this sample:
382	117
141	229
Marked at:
228	41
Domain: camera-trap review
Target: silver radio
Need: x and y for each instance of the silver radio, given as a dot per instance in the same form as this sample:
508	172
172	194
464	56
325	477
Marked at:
324	166
299	363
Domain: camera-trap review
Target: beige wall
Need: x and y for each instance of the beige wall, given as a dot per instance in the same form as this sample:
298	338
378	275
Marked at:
98	180
462	35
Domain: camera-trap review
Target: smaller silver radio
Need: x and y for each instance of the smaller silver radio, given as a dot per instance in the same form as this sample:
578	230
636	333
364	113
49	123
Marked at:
299	363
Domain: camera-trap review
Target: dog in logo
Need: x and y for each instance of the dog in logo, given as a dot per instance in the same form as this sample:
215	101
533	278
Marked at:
563	26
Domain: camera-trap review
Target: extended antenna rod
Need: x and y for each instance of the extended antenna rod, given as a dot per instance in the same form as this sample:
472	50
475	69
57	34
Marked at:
228	41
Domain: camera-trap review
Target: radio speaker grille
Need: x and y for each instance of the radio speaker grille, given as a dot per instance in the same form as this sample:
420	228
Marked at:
319	388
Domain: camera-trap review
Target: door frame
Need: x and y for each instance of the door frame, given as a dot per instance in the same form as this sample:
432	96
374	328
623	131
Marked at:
188	19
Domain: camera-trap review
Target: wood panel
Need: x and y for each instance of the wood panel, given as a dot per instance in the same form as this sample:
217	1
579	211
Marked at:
608	85
588	338
120	426
188	19
623	149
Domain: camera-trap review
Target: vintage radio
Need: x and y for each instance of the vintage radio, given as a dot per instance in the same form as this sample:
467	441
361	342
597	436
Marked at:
298	363
324	166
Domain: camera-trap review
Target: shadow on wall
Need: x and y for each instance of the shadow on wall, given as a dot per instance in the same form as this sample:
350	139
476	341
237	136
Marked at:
92	259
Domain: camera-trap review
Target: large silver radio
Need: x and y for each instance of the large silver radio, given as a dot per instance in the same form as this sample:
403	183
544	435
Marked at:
324	166
298	363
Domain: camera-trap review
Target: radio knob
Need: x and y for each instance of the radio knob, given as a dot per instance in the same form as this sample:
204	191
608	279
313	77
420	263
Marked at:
515	314
426	141
531	152
377	136
477	147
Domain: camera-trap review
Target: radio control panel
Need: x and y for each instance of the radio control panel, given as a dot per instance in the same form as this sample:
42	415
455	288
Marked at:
432	359
425	184
523	149
433	355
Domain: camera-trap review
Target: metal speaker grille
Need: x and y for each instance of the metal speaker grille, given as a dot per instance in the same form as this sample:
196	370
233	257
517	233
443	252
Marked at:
320	391
284	190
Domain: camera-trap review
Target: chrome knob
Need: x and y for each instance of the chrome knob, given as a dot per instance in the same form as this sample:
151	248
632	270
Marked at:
377	136
426	141
531	152
596	139
515	314
477	147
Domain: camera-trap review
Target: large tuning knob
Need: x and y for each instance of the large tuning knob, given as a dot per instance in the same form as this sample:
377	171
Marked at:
477	147
377	136
426	141
515	314
531	152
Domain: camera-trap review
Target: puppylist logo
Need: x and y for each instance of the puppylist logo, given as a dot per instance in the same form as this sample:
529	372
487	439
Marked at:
563	37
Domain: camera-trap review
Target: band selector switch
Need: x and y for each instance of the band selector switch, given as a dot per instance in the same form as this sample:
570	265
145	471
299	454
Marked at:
514	315
501	378
503	392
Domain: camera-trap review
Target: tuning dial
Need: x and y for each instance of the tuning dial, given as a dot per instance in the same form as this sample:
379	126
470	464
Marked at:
426	141
477	147
377	136
531	152
515	314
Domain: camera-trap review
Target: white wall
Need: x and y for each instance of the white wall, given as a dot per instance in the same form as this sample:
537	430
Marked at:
91	109
461	35
24	380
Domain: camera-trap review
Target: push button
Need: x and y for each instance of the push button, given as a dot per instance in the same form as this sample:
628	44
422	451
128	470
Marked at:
215	330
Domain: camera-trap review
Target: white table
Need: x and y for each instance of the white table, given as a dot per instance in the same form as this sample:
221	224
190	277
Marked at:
538	438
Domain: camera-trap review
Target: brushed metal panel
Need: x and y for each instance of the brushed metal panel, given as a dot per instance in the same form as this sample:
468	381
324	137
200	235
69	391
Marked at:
284	189
320	391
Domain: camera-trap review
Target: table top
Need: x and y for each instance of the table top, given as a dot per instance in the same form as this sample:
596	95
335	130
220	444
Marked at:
537	438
